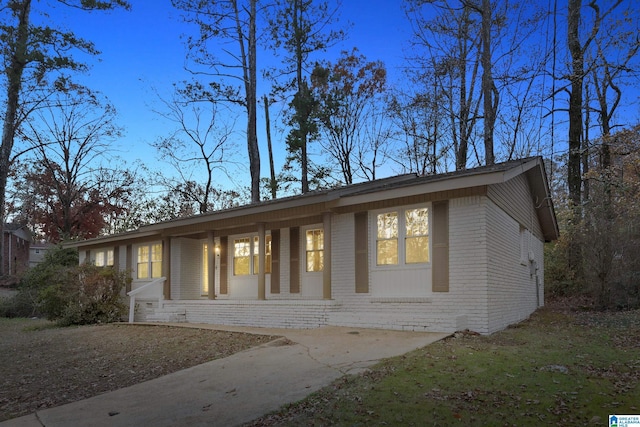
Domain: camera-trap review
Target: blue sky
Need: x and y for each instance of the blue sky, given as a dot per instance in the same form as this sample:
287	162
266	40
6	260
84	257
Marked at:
143	52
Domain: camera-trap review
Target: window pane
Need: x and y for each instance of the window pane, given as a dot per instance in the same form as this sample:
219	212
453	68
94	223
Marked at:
143	270
205	269
315	260
417	249
387	252
267	254
110	257
241	247
143	254
256	246
100	259
156	252
315	239
242	256
156	269
315	250
241	266
417	222
388	225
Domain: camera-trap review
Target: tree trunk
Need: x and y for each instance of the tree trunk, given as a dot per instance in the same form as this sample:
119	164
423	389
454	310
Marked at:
574	177
252	136
273	184
14	86
302	125
487	83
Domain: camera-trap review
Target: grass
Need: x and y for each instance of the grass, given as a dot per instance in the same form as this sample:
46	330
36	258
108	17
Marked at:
557	368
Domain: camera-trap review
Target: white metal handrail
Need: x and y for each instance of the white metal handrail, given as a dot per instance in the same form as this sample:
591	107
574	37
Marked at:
133	293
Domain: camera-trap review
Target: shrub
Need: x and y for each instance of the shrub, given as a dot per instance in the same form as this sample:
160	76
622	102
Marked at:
68	293
54	270
93	296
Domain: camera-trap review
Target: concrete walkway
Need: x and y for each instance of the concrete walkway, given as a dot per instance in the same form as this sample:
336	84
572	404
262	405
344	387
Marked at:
239	388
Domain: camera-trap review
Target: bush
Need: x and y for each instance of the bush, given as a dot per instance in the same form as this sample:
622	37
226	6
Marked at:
70	294
54	270
93	296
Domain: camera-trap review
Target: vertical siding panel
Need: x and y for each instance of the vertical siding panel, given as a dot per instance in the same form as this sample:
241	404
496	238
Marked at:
294	256
361	251
440	235
223	265
116	258
129	265
166	266
275	261
211	265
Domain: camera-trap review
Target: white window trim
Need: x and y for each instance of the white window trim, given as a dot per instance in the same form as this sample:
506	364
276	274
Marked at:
232	253
105	254
303	249
135	261
373	238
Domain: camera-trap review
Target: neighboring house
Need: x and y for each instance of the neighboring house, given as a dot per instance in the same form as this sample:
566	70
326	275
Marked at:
37	252
17	239
461	250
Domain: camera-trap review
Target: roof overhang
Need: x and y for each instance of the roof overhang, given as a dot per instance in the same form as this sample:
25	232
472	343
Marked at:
348	199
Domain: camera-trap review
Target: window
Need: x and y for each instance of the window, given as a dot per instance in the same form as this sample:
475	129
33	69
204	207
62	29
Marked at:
246	253
150	261
410	226
387	240
205	269
315	250
417	235
241	256
104	258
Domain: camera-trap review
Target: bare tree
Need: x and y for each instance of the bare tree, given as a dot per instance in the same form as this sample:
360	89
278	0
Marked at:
30	53
198	147
449	45
75	195
612	63
232	23
420	120
373	147
577	74
347	91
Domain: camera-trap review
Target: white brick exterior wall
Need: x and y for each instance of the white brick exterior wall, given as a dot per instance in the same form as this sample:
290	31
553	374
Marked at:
464	306
512	286
490	286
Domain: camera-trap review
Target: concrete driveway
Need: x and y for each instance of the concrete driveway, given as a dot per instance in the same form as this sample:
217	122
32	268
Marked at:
239	388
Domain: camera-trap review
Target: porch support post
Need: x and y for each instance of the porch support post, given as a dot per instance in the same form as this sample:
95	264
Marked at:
261	274
211	264
166	266
326	270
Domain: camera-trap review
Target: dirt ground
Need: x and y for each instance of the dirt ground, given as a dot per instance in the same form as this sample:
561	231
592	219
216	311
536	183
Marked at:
43	366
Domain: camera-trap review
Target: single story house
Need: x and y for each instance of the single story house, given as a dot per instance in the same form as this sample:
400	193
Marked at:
448	252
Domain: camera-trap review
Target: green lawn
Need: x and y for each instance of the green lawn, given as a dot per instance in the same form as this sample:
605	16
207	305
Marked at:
557	368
